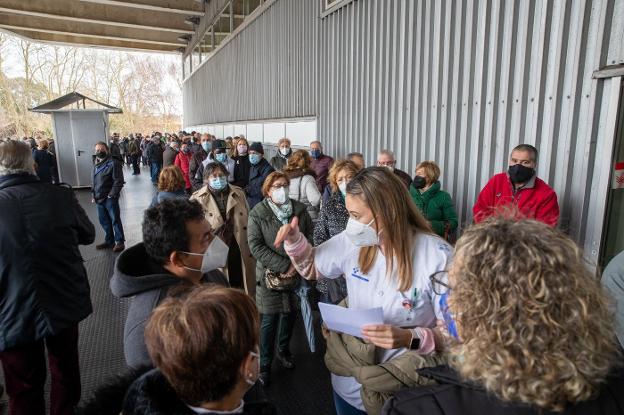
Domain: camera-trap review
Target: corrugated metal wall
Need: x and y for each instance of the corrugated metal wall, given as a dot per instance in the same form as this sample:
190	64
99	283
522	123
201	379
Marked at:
460	82
270	70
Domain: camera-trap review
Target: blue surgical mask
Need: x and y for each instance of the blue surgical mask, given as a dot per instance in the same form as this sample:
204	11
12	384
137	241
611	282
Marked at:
448	316
315	153
221	157
207	146
255	158
218	183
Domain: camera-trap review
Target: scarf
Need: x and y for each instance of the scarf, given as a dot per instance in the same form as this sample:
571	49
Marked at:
283	212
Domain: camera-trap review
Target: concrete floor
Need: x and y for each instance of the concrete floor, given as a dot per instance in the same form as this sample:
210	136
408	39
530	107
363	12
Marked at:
304	390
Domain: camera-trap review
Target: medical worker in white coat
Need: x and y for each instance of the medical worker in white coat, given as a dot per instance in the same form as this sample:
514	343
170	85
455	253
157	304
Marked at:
389	255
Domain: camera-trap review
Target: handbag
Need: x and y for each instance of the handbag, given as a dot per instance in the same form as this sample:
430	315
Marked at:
278	281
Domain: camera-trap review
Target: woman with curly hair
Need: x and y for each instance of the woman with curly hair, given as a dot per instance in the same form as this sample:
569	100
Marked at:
535	330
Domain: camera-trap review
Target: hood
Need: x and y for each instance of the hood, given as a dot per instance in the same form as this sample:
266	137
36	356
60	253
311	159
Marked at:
136	272
16	179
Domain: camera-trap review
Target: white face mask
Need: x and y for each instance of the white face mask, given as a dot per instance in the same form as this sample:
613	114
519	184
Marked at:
361	234
215	256
343	187
279	196
284	150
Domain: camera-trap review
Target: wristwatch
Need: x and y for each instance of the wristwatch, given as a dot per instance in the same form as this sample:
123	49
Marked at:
415	343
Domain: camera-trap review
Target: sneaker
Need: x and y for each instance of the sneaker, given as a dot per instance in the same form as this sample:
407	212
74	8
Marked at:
265	376
104	246
286	360
119	247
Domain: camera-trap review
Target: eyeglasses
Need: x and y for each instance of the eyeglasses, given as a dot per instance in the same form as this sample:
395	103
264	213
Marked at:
386	163
279	186
439	282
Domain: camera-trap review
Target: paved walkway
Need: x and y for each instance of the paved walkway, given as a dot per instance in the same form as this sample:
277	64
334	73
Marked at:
304	390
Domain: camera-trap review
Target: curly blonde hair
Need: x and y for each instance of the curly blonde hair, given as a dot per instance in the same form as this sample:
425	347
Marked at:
534	322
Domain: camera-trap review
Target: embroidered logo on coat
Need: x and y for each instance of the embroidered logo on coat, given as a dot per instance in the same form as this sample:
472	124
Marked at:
355	274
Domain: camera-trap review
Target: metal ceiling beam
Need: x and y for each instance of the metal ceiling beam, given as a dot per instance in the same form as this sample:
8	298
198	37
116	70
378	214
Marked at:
88	35
66	40
146	7
94	21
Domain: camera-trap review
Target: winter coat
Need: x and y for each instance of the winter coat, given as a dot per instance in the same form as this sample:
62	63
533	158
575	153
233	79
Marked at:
108	179
613	282
353	357
278	161
139	276
44	286
321	168
152	394
196	161
45	166
134	148
183	161
536	200
160	196
452	396
154	152
437	207
263	228
303	189
332	220
169	156
115	151
237	212
242	167
257	174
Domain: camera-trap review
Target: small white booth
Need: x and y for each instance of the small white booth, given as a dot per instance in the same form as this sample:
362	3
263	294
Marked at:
76	131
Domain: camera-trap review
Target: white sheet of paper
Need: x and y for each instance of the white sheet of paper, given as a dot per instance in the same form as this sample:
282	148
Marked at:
349	320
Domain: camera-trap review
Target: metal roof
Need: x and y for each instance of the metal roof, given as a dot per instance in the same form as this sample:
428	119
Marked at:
72	98
151	25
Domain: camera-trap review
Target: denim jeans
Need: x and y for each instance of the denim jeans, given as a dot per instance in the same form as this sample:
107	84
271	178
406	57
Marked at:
283	323
345	408
110	219
155	171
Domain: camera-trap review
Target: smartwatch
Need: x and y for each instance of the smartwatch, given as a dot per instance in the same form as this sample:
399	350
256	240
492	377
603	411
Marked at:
415	343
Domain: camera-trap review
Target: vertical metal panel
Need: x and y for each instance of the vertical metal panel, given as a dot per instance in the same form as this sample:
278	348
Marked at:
464	81
460	82
267	71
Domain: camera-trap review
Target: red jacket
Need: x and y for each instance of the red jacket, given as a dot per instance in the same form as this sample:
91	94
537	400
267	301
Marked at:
536	200
183	161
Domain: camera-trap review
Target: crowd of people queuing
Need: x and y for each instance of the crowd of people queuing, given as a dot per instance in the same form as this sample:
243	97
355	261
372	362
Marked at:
504	318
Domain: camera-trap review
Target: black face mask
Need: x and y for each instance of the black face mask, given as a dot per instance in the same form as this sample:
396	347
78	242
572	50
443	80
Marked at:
101	154
520	174
419	182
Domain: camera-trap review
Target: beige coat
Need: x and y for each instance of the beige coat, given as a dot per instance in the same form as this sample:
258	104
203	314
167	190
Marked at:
237	211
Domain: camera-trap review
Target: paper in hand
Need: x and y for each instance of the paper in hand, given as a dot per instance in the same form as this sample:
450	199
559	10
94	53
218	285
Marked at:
349	320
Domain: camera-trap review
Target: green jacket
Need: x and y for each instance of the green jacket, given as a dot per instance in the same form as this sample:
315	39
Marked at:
437	207
262	230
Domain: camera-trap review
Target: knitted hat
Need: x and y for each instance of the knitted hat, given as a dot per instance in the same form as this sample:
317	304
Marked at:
257	147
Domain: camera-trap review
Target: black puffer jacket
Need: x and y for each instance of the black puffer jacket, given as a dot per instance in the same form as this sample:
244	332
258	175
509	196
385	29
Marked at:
43	282
108	179
453	396
152	394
